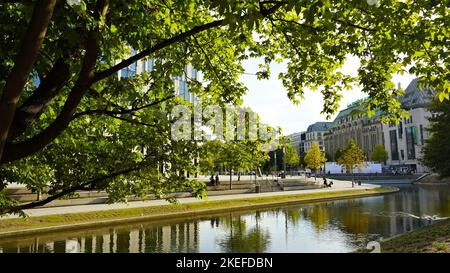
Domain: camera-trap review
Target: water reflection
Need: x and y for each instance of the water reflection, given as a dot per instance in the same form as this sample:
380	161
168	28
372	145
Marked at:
339	226
244	238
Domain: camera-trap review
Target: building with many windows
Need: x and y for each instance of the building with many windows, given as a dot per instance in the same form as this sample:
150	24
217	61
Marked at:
352	123
405	140
298	142
315	132
180	82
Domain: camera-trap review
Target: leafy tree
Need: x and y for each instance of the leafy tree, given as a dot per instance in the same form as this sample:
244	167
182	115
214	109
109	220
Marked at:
436	153
68	122
379	154
328	157
302	159
210	159
242	155
338	153
292	159
351	157
315	159
241	238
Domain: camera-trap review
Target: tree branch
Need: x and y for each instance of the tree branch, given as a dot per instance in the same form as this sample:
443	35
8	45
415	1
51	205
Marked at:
40	19
16	151
347	23
165	43
91	184
133	121
120	112
87	77
33	107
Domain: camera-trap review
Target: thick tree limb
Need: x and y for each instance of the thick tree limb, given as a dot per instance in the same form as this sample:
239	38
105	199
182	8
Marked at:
125	63
33	107
20	150
87	78
16	151
42	14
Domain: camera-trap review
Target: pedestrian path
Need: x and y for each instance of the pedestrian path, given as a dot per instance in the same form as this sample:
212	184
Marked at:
337	185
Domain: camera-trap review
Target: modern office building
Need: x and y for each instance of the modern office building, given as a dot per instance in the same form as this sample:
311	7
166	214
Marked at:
405	140
298	141
180	82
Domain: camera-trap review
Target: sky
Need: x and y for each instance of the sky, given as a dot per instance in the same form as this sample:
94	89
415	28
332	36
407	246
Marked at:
269	98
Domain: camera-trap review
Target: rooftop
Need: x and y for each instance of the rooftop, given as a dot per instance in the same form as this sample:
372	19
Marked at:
319	126
415	97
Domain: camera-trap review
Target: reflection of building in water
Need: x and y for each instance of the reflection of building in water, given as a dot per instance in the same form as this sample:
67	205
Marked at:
181	237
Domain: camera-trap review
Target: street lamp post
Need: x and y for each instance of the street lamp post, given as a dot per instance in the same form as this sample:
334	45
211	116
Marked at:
275	161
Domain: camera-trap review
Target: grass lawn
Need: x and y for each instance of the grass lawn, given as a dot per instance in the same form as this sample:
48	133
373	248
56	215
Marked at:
161	212
433	238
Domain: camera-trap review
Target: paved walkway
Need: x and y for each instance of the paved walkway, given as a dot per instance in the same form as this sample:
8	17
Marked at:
337	185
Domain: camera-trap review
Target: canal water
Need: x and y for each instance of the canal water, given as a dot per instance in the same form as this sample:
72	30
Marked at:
338	226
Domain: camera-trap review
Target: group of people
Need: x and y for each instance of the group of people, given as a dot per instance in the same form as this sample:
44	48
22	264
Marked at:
325	182
214	181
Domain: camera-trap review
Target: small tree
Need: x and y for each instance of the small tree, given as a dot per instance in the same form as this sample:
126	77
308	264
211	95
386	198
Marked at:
351	157
242	155
210	156
314	158
379	154
292	159
302	159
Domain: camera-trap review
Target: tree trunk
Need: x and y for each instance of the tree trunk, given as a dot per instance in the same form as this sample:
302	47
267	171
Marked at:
33	107
42	14
85	80
231	174
353	179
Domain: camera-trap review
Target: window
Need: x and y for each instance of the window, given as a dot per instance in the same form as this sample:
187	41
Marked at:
411	140
409	120
421	135
394	144
131	70
400	130
148	65
374	140
366	141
